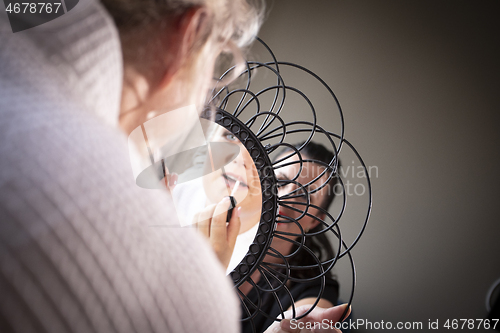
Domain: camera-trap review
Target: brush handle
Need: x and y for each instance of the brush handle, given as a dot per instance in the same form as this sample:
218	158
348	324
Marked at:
230	211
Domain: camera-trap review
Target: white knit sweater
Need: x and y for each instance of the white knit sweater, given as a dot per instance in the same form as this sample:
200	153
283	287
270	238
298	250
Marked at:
77	253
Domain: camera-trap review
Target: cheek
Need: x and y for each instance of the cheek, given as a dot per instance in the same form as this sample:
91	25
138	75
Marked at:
291	227
293	206
214	187
242	196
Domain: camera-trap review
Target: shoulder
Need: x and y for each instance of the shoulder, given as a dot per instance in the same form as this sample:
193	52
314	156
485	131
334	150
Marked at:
78	230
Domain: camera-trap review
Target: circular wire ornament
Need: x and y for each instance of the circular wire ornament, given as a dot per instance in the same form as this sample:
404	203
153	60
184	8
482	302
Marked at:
239	107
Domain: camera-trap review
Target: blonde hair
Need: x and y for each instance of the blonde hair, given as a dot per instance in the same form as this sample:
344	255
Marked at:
229	21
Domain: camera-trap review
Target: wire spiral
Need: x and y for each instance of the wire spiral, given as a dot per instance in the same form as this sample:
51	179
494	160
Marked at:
243	103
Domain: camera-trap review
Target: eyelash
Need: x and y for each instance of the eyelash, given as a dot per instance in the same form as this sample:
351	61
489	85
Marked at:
227	136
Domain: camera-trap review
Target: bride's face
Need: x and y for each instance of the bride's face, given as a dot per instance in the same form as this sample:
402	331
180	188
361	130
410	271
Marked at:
241	174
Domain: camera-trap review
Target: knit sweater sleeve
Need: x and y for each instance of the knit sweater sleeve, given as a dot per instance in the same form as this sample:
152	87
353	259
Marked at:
82	249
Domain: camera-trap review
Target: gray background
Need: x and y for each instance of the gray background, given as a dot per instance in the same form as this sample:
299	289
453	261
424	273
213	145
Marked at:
418	83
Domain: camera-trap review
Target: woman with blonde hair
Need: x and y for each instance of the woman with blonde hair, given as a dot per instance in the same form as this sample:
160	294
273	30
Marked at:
75	253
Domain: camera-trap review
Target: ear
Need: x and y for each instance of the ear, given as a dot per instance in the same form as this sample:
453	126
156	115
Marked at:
185	32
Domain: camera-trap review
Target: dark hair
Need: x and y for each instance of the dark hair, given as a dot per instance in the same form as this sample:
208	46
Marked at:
319	244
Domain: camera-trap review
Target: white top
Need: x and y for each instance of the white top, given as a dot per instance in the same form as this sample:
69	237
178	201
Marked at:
243	242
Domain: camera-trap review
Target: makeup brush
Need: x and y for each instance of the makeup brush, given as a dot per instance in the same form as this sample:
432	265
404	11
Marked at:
231	196
233	201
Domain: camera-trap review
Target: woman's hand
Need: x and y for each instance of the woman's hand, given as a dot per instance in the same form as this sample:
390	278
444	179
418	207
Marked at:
328	316
222	236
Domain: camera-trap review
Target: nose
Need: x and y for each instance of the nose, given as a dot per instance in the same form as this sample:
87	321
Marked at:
242	160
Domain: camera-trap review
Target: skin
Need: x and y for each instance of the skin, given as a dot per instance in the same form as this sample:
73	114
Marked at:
248	194
217	186
288	211
286	173
221	235
178	77
317	315
308	173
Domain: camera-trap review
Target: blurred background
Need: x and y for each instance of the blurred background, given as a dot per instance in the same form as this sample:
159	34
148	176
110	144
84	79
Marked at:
418	82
